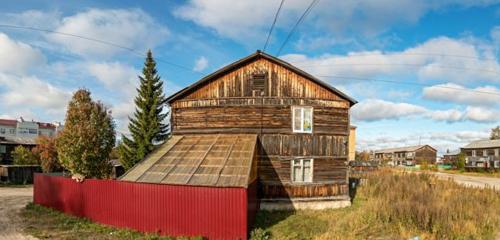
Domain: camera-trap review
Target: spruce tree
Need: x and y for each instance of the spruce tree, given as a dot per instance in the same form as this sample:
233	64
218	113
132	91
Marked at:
147	126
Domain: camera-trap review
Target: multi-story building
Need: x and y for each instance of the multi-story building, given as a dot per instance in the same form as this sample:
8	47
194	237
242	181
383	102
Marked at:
482	154
20	132
407	155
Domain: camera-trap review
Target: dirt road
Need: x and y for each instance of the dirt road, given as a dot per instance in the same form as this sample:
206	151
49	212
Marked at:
472	181
12	200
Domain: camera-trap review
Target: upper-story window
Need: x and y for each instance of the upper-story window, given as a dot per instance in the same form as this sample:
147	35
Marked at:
12	131
2	130
259	82
302	119
302	170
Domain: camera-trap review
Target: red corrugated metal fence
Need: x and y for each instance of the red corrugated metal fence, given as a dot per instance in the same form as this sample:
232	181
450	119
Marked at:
216	213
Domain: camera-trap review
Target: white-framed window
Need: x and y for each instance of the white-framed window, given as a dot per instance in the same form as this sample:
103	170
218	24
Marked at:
12	131
302	170
2	130
302	119
3	149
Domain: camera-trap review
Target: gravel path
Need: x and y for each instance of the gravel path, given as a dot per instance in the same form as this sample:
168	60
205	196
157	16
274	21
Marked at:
12	200
472	181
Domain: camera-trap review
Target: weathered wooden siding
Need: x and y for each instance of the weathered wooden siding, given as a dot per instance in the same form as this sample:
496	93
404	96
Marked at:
425	154
256	119
229	104
281	82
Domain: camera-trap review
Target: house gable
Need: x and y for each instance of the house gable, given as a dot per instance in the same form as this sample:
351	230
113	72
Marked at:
281	80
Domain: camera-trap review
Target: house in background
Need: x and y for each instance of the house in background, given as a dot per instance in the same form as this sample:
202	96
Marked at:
482	154
261	124
15	133
450	157
412	155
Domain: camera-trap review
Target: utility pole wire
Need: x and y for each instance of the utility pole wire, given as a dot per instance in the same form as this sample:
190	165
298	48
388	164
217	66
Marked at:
97	41
272	26
296	25
410	83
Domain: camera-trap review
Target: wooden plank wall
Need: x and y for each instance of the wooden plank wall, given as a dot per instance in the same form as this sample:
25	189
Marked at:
281	82
229	104
256	119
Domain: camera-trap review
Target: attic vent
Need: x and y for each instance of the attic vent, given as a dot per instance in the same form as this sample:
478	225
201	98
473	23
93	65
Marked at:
259	82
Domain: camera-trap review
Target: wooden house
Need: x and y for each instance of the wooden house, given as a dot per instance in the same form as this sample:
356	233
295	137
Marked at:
483	154
451	157
260	120
410	155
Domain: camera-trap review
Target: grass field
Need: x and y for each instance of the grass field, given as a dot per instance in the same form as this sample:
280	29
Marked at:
45	223
396	206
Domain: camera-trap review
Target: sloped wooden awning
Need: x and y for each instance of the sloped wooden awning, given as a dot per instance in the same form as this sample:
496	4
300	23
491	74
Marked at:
222	160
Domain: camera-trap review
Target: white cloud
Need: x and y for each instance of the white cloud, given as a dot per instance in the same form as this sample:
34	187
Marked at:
449	92
116	76
451	115
32	18
200	64
471	62
376	109
250	19
31	92
17	57
131	28
481	114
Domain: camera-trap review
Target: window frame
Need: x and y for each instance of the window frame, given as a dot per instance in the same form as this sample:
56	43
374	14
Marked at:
301	164
302	119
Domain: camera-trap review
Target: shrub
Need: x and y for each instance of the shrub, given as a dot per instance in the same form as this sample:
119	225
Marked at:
259	234
23	156
461	162
47	153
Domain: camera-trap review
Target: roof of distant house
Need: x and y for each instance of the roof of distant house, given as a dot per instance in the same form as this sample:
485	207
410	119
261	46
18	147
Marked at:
483	144
402	149
452	153
8	122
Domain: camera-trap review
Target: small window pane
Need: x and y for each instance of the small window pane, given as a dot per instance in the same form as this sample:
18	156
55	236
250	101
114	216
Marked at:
307	119
2	149
297	174
307	174
297	119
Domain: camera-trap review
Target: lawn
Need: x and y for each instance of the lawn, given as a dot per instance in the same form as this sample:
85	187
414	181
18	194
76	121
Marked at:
45	223
394	205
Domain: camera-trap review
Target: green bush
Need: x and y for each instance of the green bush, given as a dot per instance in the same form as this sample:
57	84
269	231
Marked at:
259	234
461	162
24	156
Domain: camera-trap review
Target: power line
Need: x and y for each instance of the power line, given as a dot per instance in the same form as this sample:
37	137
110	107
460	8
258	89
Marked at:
409	83
409	54
272	26
97	41
403	65
313	2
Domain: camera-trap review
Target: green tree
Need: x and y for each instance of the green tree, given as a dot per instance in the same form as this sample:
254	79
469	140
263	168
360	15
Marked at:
147	126
24	156
84	145
495	133
461	162
47	153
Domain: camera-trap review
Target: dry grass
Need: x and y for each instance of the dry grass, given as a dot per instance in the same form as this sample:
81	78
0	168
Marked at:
475	174
394	206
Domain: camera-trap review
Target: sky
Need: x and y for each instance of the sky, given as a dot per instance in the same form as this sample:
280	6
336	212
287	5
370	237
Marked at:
423	72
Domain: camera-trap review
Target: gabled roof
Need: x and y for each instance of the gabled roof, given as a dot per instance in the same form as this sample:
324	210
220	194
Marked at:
8	122
483	144
250	58
402	149
217	160
452	153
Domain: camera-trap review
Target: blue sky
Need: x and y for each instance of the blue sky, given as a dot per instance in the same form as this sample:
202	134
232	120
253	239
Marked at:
449	48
